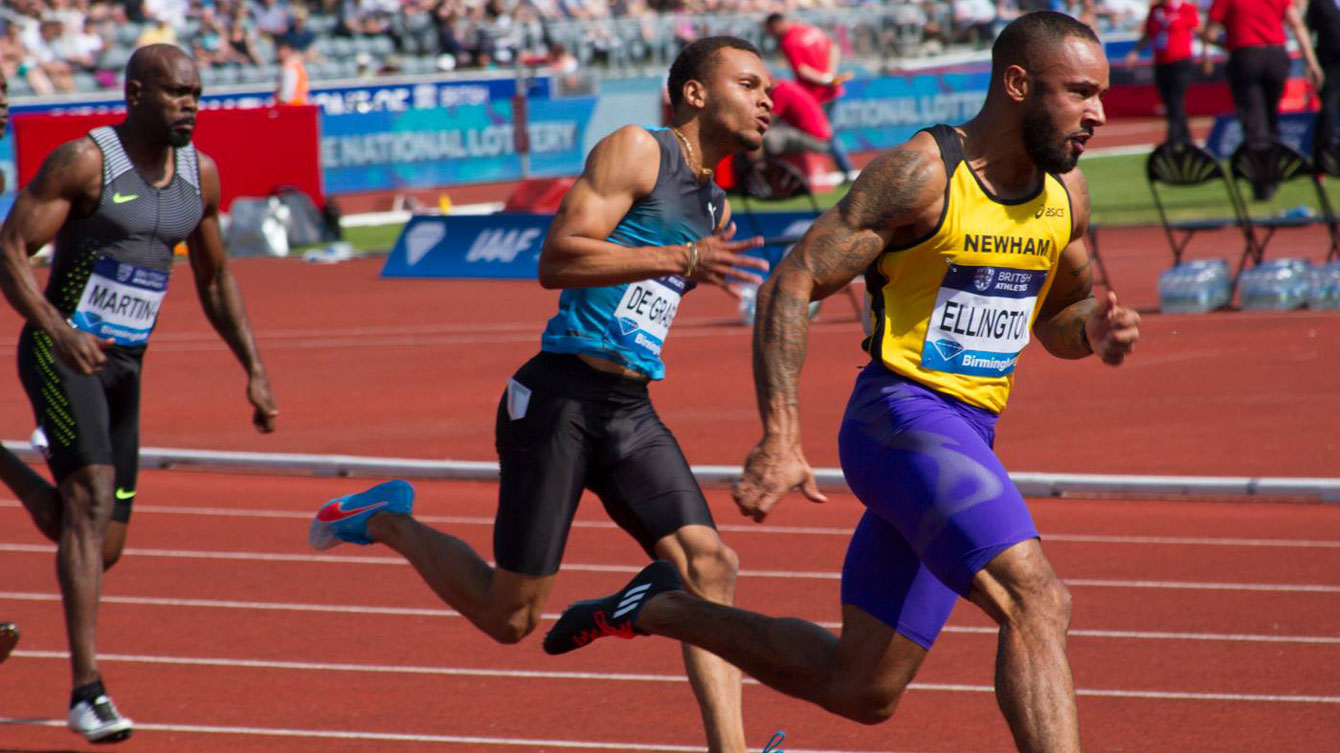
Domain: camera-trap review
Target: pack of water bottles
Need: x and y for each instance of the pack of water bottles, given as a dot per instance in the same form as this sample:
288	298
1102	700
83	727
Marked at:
749	300
1323	291
1275	285
1194	287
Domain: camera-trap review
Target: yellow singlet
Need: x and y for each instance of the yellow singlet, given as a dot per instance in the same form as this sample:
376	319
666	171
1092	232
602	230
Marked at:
954	309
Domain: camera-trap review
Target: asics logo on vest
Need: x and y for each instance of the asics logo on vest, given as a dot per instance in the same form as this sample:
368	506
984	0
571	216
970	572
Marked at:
121	198
333	513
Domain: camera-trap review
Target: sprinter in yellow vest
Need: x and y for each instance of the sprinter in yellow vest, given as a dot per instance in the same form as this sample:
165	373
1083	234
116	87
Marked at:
970	238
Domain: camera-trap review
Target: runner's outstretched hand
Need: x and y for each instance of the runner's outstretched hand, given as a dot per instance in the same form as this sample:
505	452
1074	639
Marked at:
722	261
771	471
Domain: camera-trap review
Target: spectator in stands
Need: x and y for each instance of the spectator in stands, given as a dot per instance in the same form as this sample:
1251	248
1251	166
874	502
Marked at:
812	56
211	41
242	36
1323	18
293	87
974	21
298	36
272	17
1169	29
48	59
82	46
1258	65
158	32
17	61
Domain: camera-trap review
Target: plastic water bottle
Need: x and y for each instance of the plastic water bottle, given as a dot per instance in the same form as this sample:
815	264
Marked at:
1195	287
1276	285
749	302
1324	287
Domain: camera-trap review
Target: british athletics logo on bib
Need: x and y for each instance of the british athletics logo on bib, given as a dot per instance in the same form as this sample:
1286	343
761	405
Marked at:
981	320
120	302
646	311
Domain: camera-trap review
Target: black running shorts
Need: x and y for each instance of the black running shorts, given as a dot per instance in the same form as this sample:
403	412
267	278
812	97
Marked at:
88	420
563	427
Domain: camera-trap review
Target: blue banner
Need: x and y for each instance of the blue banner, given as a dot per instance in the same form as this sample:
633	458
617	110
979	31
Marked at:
506	246
378	151
9	170
1295	130
881	113
393	96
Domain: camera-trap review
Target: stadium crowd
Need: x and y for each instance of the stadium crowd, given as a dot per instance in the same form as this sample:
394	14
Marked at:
60	46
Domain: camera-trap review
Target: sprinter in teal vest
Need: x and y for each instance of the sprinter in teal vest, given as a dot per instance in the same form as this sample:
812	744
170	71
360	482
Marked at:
641	228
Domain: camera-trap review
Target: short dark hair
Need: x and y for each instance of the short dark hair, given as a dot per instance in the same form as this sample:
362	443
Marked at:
1023	38
695	62
773	18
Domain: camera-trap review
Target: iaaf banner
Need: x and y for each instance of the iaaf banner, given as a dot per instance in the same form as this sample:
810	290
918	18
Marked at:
378	151
506	246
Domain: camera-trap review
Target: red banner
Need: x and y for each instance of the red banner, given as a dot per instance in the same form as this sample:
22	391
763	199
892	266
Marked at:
257	150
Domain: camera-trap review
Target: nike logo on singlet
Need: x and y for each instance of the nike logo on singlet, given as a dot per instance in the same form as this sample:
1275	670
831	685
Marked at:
119	198
122	494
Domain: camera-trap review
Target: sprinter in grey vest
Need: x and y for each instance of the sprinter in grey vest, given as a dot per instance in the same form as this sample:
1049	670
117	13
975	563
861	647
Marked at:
116	203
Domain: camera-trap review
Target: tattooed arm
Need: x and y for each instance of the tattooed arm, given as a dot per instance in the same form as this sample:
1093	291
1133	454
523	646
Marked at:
1072	323
897	192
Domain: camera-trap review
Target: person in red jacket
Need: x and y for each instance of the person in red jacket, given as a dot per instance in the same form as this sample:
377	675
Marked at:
1258	65
801	125
812	56
1169	29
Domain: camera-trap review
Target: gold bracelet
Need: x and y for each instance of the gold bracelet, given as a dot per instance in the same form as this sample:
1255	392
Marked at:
693	261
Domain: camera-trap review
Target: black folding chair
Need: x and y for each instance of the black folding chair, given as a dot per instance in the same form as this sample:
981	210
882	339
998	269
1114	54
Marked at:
772	179
1279	164
1183	164
1326	161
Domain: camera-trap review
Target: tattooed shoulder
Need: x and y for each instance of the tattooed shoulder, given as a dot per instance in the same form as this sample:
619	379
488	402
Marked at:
894	189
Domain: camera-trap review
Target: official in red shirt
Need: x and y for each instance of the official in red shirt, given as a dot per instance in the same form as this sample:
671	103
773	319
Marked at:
1169	29
1258	65
799	124
812	56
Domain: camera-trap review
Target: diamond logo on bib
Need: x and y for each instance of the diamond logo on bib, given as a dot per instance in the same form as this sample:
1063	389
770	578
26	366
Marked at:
981	320
644	315
120	302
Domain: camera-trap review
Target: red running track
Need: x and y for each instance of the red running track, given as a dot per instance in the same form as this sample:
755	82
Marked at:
1199	625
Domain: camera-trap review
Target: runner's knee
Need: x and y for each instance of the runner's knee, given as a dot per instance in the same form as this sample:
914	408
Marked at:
1039	602
510	626
86	499
867	703
711	571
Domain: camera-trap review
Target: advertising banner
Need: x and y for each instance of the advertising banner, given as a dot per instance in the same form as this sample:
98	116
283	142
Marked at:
506	246
879	113
387	150
1295	130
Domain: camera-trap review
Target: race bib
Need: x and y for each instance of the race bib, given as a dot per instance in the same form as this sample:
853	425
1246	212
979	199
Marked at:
646	311
120	302
981	320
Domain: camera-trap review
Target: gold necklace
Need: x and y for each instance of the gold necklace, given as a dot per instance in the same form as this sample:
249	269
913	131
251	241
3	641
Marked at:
705	172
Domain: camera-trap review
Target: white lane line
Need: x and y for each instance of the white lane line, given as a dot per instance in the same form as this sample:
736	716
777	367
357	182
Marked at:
403	737
480	520
279	606
327	734
630	569
295	666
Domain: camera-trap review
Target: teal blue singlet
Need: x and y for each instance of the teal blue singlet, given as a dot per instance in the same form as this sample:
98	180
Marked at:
628	323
